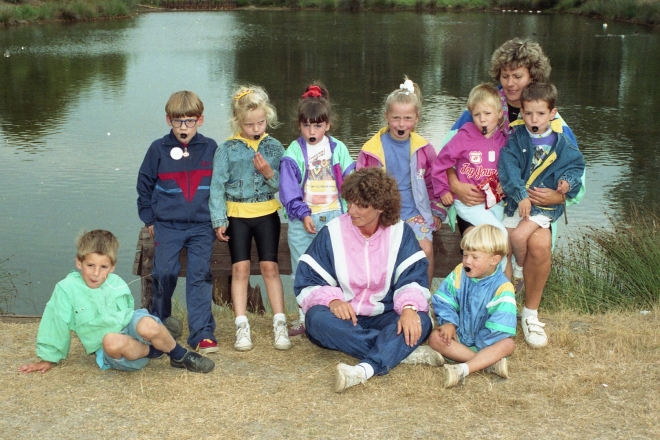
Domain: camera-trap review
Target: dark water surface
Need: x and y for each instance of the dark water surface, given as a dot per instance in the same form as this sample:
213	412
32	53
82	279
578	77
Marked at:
80	104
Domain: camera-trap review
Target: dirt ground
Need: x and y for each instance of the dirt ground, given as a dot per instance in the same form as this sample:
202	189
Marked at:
599	378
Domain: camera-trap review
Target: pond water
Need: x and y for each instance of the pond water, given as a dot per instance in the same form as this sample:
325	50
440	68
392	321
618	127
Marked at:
80	104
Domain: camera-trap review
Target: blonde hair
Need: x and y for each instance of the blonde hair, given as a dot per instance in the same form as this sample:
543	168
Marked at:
517	53
184	103
246	99
404	95
99	242
486	238
488	94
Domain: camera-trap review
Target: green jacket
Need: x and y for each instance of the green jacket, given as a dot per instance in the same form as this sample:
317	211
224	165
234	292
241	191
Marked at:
90	313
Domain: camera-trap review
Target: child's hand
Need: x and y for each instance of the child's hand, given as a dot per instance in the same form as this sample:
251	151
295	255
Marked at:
263	166
499	189
41	366
310	227
563	187
437	222
525	207
220	233
151	231
447	199
447	333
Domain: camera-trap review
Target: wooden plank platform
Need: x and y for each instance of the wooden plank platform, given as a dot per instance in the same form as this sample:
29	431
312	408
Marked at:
446	255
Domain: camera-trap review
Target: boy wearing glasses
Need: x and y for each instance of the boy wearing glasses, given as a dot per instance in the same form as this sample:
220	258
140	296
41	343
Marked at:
173	202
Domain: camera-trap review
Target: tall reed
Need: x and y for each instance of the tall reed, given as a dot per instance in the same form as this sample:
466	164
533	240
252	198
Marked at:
609	269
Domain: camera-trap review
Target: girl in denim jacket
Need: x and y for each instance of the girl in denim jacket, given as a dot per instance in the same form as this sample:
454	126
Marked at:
311	174
243	205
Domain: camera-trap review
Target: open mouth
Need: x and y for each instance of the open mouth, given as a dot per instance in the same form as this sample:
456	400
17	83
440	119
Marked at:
468	269
535	129
401	132
183	135
312	140
484	130
256	137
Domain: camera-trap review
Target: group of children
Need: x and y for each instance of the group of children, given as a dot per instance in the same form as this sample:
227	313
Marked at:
190	192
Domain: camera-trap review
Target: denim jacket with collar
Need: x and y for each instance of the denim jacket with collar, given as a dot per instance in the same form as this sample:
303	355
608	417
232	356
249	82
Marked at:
235	179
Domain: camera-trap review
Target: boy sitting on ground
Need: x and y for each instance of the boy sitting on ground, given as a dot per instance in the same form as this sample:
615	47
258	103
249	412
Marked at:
475	308
98	306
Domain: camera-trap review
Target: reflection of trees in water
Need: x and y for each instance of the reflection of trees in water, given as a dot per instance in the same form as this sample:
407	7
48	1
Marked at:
39	88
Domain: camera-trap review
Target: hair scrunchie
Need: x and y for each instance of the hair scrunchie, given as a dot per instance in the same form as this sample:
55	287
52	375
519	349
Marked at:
313	92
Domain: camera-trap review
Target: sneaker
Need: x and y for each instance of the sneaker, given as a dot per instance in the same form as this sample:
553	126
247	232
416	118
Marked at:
533	330
424	355
297	328
501	368
174	326
207	346
281	339
348	376
243	338
194	362
453	375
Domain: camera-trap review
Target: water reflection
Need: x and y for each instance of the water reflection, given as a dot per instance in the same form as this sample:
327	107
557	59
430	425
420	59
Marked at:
80	103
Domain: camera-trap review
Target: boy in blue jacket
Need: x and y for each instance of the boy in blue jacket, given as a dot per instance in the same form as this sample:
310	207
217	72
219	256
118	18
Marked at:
537	155
475	307
173	202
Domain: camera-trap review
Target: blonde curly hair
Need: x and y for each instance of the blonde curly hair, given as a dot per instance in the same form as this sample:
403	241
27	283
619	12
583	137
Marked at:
517	53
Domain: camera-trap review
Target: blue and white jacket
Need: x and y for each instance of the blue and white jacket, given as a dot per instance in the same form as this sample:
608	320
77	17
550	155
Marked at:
176	190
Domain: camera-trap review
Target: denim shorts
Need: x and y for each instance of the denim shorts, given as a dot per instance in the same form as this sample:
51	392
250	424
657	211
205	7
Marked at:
300	239
105	362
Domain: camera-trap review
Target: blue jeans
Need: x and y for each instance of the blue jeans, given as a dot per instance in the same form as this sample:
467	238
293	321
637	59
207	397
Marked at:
169	239
300	239
373	340
106	362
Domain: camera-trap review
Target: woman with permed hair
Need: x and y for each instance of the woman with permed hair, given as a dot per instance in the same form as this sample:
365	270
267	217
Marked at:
363	283
515	65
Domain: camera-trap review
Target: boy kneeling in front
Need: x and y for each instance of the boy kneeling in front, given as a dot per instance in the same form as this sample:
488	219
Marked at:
475	308
98	306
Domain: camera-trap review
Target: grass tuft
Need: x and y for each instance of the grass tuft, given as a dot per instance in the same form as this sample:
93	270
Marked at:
609	269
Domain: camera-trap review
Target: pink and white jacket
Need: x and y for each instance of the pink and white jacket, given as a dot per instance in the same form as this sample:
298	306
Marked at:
375	275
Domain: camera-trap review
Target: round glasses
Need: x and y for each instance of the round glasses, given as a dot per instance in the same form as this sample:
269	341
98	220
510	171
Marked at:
190	123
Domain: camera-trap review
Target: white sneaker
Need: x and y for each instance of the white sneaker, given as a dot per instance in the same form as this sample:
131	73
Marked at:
424	355
517	271
453	374
533	330
347	376
501	368
243	338
281	339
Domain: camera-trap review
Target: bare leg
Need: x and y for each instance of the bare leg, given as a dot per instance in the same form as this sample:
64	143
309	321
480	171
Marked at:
519	237
240	277
270	271
475	361
117	345
427	247
509	264
537	267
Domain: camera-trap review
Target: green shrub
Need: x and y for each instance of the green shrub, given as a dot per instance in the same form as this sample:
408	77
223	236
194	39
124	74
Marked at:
7	14
349	5
608	269
26	13
114	8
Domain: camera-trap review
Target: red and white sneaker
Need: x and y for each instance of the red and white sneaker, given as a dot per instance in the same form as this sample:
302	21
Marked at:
207	346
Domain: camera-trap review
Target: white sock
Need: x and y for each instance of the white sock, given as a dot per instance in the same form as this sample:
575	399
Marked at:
301	315
241	320
279	317
368	369
466	369
526	313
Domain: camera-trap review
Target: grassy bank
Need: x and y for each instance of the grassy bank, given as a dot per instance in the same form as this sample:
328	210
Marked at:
12	12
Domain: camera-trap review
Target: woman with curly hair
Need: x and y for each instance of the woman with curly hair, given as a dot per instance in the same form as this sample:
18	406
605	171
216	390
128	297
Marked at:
515	65
363	283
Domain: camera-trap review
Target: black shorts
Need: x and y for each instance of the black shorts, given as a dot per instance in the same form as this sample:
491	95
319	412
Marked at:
462	225
266	233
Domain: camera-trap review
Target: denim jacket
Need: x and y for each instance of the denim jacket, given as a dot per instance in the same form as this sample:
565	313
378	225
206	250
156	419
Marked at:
235	179
564	162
